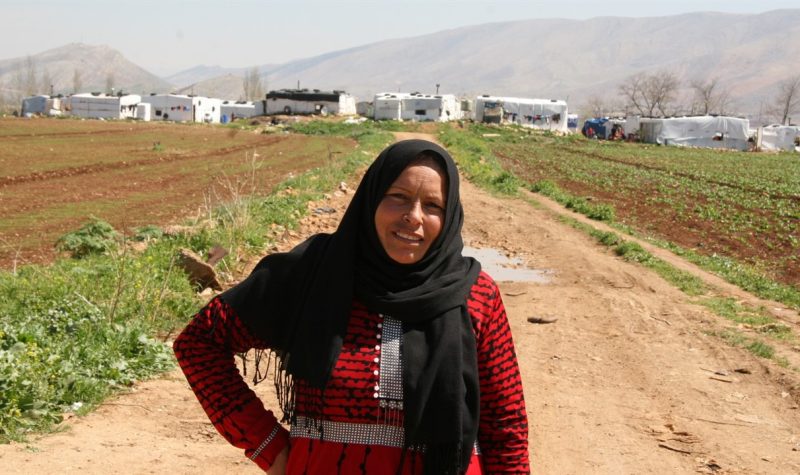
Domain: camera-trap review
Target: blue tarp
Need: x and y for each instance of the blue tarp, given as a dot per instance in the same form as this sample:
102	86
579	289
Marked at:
597	126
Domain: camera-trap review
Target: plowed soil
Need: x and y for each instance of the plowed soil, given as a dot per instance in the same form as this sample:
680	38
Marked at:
627	380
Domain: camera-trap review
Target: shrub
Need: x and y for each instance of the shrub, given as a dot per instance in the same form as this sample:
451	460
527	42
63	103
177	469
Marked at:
95	237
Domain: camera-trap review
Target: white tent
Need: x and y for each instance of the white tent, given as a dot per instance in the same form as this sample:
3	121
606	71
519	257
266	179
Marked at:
549	114
777	137
242	109
416	106
180	108
701	131
430	107
101	106
143	111
304	101
388	105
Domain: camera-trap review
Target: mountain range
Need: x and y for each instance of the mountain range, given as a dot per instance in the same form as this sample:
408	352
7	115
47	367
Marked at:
576	60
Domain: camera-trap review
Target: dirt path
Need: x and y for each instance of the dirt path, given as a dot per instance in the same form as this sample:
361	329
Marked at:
622	383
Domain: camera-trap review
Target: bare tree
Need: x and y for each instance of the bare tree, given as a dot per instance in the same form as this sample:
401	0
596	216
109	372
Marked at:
709	97
30	87
77	81
47	82
596	107
788	99
648	93
252	84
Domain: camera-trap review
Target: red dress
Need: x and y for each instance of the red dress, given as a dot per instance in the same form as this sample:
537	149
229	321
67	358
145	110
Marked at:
359	429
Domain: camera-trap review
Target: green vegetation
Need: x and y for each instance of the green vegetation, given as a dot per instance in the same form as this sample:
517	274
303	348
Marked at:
477	162
732	213
94	237
74	331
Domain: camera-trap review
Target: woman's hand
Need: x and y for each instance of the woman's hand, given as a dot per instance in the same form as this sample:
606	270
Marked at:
279	465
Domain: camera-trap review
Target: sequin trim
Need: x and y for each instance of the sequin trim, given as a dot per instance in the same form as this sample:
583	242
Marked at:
348	432
265	443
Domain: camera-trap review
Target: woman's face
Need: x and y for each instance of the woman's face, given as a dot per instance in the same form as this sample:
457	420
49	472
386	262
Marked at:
410	216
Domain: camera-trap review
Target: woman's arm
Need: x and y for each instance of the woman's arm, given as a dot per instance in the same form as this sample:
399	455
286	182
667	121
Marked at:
205	351
503	429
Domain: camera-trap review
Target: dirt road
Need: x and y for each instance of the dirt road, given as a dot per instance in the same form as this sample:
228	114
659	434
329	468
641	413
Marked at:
626	381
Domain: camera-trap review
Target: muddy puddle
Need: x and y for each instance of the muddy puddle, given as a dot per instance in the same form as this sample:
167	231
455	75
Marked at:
505	269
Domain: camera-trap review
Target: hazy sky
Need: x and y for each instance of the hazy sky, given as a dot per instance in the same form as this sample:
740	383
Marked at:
167	36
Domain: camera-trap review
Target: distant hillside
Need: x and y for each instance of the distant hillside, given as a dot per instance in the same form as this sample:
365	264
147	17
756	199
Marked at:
201	73
96	65
203	81
568	59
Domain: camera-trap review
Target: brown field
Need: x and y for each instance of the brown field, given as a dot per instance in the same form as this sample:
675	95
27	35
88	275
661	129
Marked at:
58	173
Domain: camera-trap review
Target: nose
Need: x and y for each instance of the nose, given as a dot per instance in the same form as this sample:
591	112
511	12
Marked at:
414	214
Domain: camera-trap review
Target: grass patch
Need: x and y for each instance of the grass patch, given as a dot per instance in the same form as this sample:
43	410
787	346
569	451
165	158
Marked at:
477	162
752	345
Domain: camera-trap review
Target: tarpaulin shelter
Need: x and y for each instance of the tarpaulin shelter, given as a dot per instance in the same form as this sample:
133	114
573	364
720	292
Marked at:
102	106
314	101
182	108
777	137
699	131
41	104
548	114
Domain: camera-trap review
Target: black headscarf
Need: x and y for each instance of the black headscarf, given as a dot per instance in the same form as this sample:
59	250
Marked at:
299	302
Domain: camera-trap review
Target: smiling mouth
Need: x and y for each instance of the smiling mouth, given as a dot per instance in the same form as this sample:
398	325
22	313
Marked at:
410	238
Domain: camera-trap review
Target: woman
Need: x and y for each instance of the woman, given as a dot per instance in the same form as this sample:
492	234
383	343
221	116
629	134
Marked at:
394	351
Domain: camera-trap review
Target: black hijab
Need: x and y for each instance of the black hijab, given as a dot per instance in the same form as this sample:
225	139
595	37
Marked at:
299	302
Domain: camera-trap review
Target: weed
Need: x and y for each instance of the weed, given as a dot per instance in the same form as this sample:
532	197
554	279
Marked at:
94	237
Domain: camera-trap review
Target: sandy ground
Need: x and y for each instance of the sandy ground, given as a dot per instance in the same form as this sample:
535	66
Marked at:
627	380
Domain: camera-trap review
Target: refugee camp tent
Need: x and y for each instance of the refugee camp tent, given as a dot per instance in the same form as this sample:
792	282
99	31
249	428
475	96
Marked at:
143	111
549	114
101	106
41	104
232	110
597	127
364	109
181	108
430	107
388	105
699	131
572	122
777	137
315	101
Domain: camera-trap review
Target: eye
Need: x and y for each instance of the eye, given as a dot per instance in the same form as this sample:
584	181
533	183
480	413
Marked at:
435	206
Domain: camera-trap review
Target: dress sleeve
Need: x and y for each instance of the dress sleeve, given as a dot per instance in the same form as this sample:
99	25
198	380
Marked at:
205	351
503	426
